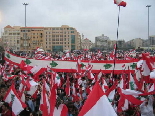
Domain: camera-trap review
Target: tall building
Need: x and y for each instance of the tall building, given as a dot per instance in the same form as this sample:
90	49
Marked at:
86	44
136	43
152	40
31	38
120	43
61	38
11	37
49	38
102	41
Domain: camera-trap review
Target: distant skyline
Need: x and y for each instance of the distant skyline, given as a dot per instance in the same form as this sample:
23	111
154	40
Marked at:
90	17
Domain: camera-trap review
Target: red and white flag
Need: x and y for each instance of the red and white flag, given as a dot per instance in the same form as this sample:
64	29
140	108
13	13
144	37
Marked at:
120	3
62	110
97	104
13	99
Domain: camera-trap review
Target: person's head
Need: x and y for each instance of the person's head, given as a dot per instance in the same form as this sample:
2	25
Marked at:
27	97
3	90
32	114
5	106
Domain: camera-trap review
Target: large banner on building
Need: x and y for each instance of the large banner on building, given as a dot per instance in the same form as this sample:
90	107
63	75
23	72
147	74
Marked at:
106	66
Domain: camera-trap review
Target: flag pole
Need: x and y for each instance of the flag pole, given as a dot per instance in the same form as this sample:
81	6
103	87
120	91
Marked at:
115	47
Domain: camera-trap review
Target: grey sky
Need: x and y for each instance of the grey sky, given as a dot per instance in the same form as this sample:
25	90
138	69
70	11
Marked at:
90	17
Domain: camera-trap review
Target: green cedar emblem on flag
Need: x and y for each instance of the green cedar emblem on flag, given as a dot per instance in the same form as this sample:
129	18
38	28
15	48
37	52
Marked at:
82	65
57	77
110	100
107	66
8	55
132	86
133	66
27	61
12	98
53	64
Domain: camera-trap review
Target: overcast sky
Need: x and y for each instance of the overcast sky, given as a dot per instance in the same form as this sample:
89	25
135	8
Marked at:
90	17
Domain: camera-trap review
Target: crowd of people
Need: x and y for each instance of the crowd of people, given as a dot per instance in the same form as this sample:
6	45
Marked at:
72	91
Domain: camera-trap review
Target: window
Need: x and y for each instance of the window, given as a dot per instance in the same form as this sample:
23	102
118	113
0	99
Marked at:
73	39
72	31
57	48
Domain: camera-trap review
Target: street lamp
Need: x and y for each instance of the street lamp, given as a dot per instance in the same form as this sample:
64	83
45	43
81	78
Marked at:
148	6
25	4
25	42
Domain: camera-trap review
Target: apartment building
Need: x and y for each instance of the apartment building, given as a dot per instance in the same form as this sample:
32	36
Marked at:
61	38
136	43
49	38
11	37
86	44
31	38
102	41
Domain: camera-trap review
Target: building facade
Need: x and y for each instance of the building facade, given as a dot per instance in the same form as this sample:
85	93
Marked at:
135	43
61	38
11	37
102	41
48	38
86	44
31	38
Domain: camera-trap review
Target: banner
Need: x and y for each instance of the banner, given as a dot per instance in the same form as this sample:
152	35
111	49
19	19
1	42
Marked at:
106	66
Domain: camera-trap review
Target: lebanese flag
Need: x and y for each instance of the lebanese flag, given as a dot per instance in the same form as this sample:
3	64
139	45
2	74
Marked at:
31	86
104	85
97	104
132	84
120	3
11	69
67	89
22	64
130	98
52	100
111	92
13	99
62	110
44	103
123	104
88	72
37	70
7	77
113	54
79	71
